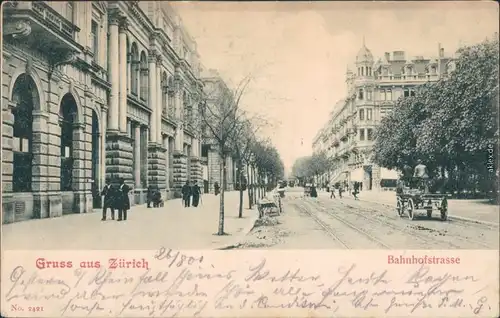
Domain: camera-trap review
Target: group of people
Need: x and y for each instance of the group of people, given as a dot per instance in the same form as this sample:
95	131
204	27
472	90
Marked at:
357	186
116	197
191	191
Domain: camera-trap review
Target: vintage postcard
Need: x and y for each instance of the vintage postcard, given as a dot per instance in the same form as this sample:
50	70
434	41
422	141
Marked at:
250	159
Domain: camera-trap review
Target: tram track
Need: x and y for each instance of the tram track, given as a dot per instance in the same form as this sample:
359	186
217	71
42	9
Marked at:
331	232
414	233
422	238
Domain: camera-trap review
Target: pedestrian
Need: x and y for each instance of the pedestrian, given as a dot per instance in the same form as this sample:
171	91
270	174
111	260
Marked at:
340	192
123	201
314	193
109	193
186	194
196	192
216	188
356	189
150	195
332	194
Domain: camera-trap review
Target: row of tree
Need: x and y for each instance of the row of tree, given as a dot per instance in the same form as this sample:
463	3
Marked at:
452	125
305	169
235	133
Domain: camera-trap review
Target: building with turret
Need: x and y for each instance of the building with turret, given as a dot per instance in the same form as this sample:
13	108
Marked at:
373	87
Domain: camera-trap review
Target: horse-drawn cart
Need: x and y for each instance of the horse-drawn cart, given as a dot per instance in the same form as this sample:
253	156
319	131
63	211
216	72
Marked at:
413	200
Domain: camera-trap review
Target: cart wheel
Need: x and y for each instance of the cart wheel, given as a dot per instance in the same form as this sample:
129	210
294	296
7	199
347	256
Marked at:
429	213
411	209
399	208
444	209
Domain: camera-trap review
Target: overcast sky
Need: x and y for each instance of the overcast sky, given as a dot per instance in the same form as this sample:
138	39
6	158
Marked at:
299	52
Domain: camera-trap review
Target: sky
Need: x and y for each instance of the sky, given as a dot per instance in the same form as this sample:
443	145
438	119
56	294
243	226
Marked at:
298	53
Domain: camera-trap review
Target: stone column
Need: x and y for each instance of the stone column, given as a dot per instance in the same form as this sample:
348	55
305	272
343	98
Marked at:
122	55
114	74
8	202
167	162
137	156
180	158
153	121
159	109
102	158
80	183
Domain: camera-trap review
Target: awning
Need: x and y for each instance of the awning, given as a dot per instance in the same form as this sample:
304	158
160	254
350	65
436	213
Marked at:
387	174
357	175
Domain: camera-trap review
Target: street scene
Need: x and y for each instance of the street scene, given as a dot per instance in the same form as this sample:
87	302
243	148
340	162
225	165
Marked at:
130	125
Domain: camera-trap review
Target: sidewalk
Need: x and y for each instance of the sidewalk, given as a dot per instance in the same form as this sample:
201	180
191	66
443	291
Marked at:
172	226
469	210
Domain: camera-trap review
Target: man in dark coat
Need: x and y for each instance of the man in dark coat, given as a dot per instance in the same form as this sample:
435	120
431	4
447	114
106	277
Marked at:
109	193
216	188
196	192
186	194
356	190
123	201
150	195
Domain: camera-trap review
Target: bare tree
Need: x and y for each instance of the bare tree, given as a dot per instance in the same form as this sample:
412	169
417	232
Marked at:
242	143
220	116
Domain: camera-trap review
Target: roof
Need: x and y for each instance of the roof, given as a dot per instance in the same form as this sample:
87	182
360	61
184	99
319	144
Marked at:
364	55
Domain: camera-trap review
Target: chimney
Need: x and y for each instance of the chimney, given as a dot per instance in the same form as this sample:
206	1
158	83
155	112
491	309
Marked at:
387	56
398	55
441	52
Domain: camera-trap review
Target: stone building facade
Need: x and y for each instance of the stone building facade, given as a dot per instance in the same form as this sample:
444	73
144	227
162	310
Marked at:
95	90
373	89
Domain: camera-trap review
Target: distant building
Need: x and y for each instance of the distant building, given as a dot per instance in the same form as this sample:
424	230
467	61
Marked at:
373	88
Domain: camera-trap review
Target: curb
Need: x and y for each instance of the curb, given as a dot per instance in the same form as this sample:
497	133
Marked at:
243	233
460	218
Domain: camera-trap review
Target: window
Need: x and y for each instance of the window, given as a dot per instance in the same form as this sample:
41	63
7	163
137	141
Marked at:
369	134
433	70
360	94
69	11
369	114
382	94
361	114
406	93
361	134
369	95
362	71
388	94
412	93
94	34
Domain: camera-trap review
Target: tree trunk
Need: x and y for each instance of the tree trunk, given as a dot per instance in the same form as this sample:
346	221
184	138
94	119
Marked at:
221	200
240	171
249	188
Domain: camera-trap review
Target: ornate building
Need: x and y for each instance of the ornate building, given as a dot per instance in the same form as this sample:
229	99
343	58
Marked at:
95	90
373	89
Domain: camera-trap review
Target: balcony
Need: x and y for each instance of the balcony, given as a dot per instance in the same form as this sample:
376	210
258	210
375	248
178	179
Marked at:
41	27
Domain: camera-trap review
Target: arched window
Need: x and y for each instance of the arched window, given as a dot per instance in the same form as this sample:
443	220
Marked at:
25	95
67	118
164	93
135	68
144	77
